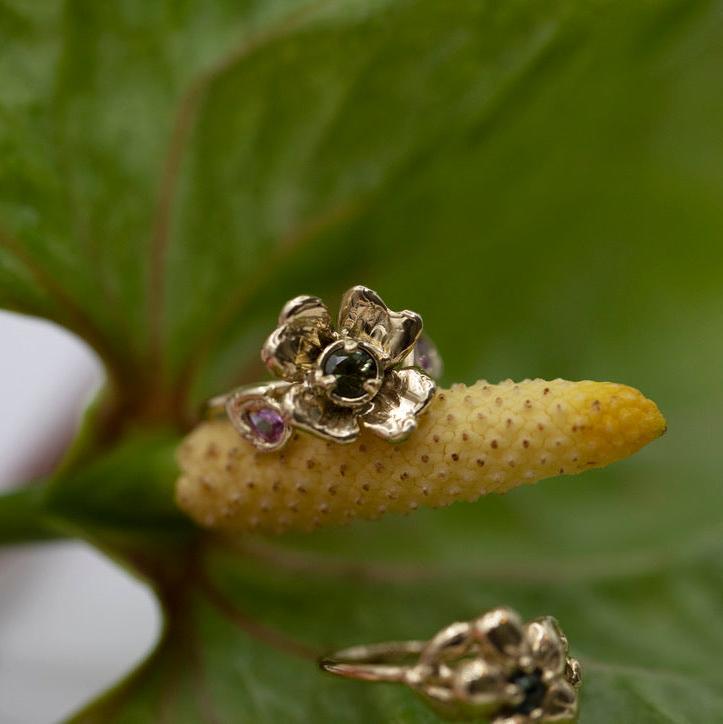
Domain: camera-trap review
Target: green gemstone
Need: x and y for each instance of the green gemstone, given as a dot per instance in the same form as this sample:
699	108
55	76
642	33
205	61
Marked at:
351	370
532	687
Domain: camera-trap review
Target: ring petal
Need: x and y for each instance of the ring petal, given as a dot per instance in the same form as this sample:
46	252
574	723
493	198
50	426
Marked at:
548	644
502	636
480	685
573	672
363	315
404	395
312	411
560	703
303	332
451	642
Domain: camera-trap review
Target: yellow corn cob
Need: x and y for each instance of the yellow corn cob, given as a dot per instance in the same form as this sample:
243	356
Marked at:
473	440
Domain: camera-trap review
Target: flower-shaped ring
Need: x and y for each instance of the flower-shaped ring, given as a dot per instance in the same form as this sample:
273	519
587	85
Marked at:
494	668
373	371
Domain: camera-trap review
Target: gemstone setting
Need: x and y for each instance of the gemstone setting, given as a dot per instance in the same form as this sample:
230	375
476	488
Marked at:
260	420
352	372
267	423
533	688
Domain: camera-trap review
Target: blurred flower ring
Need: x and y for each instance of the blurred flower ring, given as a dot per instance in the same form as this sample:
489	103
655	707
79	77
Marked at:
510	671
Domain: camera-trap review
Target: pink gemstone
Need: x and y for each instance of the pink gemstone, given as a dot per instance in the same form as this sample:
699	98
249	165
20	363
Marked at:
427	357
423	354
267	423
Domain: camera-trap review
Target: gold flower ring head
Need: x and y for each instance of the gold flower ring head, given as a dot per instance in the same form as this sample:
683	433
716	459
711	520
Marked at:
495	668
374	371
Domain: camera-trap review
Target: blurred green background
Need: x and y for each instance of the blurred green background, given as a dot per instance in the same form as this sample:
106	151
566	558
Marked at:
542	181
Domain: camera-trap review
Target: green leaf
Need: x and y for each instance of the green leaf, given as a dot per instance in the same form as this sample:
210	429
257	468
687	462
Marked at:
643	621
23	517
541	180
121	497
108	490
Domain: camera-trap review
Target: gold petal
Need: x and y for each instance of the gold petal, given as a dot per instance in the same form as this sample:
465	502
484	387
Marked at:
312	411
547	643
363	315
560	703
573	672
502	636
304	306
450	643
404	395
481	686
304	331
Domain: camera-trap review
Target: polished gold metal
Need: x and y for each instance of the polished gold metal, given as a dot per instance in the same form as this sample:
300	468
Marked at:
495	668
372	372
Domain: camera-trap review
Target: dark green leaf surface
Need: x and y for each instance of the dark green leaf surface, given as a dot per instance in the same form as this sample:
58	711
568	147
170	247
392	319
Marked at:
129	487
542	181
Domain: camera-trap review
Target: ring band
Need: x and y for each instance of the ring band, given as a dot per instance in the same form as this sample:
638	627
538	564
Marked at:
375	371
374	662
495	666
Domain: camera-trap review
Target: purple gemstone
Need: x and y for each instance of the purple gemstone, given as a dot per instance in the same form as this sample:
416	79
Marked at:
267	423
427	358
423	354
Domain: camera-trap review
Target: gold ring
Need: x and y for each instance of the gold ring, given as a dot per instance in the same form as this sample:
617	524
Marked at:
374	371
495	667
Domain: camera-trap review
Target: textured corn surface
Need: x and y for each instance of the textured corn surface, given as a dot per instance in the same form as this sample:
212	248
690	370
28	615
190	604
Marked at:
473	440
